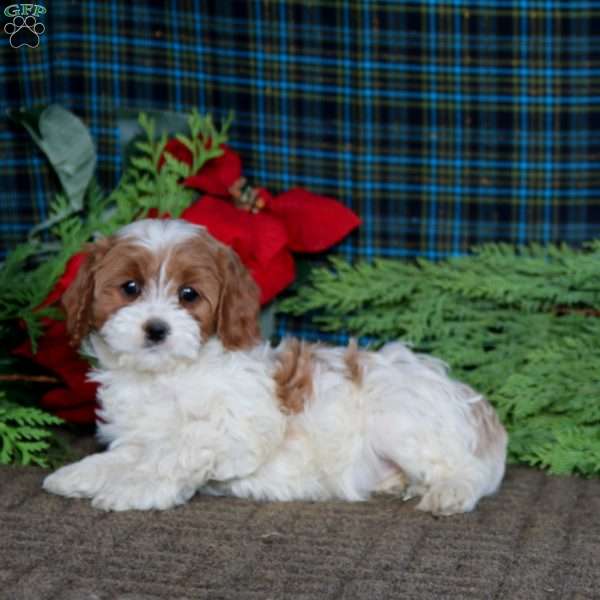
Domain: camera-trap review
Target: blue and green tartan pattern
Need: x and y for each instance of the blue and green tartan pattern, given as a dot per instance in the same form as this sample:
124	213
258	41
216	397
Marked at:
443	124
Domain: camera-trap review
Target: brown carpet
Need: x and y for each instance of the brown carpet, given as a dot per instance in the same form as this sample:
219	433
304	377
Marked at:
538	538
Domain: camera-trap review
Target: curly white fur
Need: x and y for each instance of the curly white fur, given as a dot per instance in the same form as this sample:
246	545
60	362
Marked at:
191	415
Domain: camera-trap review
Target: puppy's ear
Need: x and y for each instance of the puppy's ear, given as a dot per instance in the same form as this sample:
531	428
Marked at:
77	301
239	304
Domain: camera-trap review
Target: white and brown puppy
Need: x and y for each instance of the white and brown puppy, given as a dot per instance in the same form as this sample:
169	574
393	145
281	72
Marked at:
191	399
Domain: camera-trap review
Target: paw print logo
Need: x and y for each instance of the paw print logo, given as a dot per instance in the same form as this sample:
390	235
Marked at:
24	31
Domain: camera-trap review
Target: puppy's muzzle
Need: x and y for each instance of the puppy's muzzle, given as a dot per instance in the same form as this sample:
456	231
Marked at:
156	330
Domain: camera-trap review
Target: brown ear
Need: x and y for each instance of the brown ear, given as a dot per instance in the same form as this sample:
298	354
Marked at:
239	304
77	301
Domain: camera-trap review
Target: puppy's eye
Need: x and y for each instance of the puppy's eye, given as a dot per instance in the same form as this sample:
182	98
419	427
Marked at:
188	294
131	289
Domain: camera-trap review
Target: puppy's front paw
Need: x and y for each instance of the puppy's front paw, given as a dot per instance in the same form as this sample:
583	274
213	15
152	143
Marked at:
79	480
448	497
141	493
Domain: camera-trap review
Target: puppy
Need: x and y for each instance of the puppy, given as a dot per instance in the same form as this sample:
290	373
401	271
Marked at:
191	399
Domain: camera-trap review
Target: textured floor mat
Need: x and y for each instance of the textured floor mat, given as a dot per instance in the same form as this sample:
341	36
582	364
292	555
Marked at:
538	538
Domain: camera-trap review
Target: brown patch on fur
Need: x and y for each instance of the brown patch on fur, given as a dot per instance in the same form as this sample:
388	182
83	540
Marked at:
490	432
78	299
194	263
352	359
125	261
239	305
96	292
294	375
230	300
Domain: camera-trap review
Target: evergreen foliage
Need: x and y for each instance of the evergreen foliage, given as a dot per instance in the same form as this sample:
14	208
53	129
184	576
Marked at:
24	433
519	324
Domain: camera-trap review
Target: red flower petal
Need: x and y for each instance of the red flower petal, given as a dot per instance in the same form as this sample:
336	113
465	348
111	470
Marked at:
223	221
66	279
82	414
55	354
257	238
63	398
313	223
85	415
269	235
275	276
218	174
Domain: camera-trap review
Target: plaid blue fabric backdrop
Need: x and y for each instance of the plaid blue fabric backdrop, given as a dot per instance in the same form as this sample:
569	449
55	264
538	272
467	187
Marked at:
443	124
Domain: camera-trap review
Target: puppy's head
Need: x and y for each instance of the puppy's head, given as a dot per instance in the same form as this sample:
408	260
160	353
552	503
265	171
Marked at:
158	290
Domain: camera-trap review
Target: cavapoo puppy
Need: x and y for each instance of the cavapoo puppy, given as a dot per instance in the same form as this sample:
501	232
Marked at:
192	400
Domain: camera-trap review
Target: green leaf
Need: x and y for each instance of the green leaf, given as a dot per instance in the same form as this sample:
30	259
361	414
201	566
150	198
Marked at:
67	143
132	131
25	436
143	164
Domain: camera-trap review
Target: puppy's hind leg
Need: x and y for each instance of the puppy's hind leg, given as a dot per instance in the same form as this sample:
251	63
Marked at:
448	477
443	490
448	496
395	484
478	469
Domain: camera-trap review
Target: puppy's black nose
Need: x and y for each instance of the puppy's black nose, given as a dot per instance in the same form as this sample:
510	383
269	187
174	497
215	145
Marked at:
156	330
